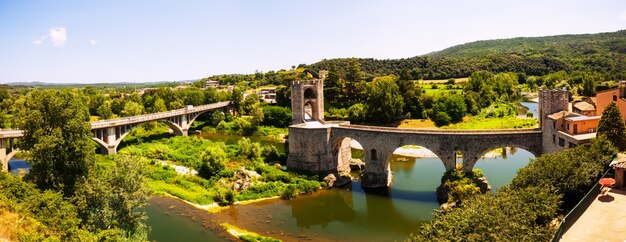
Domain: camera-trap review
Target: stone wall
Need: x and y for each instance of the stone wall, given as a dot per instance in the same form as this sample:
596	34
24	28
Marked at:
298	100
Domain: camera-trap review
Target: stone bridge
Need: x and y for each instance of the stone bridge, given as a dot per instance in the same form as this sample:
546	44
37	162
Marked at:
325	147
318	146
108	134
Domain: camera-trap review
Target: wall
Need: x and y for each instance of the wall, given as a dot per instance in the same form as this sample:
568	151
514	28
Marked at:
604	98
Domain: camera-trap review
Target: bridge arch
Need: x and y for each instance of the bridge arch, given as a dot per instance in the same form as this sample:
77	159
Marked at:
471	157
342	153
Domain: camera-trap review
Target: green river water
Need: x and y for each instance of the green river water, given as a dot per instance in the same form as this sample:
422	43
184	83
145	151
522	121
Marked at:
348	214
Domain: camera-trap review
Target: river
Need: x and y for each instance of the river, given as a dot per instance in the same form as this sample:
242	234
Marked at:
349	214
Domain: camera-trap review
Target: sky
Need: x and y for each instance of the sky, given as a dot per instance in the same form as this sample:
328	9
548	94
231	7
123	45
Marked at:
146	41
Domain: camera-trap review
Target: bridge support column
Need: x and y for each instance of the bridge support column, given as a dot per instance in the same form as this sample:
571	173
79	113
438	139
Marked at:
469	160
448	159
377	173
3	154
111	141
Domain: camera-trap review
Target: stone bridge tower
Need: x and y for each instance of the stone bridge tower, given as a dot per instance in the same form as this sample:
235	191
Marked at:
307	100
550	102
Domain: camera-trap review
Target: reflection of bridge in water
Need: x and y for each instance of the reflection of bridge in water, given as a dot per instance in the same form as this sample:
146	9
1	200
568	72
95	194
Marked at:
108	134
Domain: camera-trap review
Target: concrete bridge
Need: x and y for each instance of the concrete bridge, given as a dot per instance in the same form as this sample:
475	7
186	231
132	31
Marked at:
108	134
318	146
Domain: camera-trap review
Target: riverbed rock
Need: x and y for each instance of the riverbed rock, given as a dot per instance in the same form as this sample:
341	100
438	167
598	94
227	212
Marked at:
342	181
330	179
483	184
245	179
356	164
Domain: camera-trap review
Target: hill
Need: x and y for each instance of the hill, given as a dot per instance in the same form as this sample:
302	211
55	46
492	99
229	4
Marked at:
603	53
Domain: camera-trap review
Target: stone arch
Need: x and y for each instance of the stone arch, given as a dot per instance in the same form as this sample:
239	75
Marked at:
471	157
314	114
342	153
309	93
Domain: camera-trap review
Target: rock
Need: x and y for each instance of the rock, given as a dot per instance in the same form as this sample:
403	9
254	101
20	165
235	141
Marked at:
447	206
483	184
442	194
342	181
356	164
330	179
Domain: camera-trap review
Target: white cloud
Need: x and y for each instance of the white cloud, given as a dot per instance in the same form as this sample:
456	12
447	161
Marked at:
623	16
93	42
39	41
58	35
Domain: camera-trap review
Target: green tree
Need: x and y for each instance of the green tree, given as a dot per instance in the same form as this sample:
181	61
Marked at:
57	135
357	112
276	116
132	109
333	86
159	105
214	160
384	101
236	100
456	108
612	126
113	198
353	77
589	88
104	111
411	95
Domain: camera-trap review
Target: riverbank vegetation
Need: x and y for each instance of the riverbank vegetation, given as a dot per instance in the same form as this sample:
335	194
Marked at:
225	173
531	206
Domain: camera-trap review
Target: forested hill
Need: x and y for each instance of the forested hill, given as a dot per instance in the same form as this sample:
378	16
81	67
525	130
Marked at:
603	53
561	45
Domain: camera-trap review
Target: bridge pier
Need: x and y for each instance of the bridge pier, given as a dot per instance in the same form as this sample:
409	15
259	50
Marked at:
377	171
7	150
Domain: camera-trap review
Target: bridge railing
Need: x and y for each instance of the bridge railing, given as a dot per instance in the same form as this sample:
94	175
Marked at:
11	133
439	131
156	116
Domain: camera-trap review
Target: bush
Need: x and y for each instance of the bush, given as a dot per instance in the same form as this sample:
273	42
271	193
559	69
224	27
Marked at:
276	116
214	160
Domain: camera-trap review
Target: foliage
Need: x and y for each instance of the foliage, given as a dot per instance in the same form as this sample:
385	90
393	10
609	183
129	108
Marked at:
461	185
612	126
57	134
384	102
276	116
214	160
113	196
570	172
132	109
509	215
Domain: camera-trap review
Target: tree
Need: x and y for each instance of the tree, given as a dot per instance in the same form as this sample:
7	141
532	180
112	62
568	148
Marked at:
236	100
353	76
456	108
159	105
132	109
589	88
612	126
104	111
214	160
57	135
333	86
411	94
384	101
114	197
276	116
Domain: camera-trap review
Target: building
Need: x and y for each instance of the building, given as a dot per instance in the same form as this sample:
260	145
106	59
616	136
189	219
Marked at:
211	84
617	95
584	108
268	95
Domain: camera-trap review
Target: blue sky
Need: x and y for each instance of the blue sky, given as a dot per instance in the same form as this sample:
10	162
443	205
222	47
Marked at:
138	41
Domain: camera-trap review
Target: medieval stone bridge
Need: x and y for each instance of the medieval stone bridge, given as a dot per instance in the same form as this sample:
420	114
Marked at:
108	134
318	146
325	147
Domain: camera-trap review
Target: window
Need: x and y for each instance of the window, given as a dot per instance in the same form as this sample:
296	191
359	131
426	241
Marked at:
374	156
554	139
553	125
614	97
561	142
567	126
592	130
571	145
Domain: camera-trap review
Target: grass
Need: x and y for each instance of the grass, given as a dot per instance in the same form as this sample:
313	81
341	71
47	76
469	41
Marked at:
416	124
456	80
478	122
246	235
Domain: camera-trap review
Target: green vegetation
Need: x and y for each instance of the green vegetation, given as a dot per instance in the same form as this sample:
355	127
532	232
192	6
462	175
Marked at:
612	126
226	173
496	116
66	194
541	192
460	185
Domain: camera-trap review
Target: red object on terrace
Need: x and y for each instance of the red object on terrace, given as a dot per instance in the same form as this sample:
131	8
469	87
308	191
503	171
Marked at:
607	182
